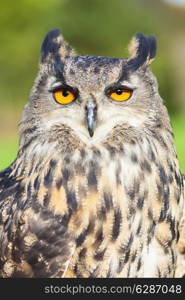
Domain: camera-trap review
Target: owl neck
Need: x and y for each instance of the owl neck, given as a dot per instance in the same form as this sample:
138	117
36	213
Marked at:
37	149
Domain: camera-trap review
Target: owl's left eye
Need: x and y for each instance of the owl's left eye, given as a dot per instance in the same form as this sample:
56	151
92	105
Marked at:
120	94
64	95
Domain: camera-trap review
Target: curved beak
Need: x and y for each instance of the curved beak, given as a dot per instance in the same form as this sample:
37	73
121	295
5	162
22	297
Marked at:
91	114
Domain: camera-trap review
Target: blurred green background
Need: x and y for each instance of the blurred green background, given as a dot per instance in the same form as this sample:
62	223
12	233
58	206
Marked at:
96	27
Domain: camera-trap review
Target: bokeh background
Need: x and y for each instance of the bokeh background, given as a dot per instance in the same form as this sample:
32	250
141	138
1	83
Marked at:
95	27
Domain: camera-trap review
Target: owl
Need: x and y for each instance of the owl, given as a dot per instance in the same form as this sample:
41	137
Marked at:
95	189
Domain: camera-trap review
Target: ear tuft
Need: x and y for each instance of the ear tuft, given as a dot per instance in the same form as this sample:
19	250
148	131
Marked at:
133	47
153	47
54	47
142	50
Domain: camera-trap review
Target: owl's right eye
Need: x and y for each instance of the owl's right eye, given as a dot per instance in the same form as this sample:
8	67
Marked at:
120	94
64	95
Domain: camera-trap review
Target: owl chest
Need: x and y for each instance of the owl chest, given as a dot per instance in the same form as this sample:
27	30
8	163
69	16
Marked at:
113	219
117	208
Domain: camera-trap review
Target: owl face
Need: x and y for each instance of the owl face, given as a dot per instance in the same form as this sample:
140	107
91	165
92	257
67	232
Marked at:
91	95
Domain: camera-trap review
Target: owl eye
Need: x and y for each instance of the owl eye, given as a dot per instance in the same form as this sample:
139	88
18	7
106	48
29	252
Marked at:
64	95
120	94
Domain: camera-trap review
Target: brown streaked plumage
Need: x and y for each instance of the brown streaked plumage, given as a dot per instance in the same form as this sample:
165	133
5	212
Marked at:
96	189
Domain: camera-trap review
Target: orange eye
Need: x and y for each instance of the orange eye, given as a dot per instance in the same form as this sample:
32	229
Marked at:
64	96
120	94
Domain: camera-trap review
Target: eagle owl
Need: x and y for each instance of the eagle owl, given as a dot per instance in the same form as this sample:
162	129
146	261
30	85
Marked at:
95	190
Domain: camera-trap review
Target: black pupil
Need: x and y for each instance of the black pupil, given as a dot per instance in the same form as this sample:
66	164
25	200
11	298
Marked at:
65	93
119	91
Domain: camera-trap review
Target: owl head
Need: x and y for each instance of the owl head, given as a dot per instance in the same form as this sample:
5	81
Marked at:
88	96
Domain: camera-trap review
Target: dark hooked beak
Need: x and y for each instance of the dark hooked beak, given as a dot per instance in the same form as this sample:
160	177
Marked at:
91	113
